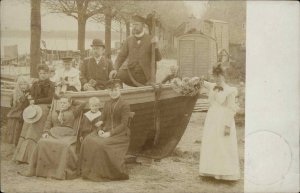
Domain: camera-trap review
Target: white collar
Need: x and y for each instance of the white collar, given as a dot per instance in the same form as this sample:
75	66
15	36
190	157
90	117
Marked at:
98	59
91	116
140	35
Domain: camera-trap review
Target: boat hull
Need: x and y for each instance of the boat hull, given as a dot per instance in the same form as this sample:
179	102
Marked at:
149	137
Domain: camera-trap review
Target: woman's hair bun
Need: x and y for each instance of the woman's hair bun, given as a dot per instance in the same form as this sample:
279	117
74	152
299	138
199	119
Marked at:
218	70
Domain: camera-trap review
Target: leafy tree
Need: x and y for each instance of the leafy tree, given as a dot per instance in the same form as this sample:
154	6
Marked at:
81	10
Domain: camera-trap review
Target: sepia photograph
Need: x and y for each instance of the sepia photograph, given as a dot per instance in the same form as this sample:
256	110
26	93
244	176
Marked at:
123	96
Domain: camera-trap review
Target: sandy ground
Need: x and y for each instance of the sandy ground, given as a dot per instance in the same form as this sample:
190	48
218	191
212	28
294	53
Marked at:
177	173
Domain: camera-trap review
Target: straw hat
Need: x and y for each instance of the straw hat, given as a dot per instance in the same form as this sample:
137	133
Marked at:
32	113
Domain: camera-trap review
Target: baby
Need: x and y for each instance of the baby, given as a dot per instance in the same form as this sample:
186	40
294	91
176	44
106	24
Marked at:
91	119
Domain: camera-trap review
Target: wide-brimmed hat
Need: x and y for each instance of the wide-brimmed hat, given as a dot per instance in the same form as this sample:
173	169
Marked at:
113	83
97	42
32	113
67	59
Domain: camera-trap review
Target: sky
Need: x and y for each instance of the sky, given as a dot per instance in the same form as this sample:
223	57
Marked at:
21	20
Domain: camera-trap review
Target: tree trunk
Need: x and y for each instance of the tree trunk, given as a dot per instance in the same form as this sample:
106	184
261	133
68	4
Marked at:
81	35
35	52
108	18
127	23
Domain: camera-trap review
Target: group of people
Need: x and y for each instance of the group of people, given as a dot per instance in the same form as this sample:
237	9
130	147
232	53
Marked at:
63	140
49	143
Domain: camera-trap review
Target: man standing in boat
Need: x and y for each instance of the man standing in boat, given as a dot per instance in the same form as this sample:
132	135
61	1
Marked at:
137	50
95	70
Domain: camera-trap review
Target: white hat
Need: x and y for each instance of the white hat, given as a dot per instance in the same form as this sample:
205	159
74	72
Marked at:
32	113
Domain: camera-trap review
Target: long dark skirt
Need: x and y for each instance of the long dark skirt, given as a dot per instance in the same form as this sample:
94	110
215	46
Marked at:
13	130
103	159
55	158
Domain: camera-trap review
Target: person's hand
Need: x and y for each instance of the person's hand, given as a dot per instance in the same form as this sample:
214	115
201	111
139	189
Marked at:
98	124
81	139
154	40
86	86
31	102
226	131
113	74
92	82
105	135
45	135
100	133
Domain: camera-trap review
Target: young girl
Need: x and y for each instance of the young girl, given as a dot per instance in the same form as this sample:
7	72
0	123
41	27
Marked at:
90	120
174	74
41	94
20	102
219	151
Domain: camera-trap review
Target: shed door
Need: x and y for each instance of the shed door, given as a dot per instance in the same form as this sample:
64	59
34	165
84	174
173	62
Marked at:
187	57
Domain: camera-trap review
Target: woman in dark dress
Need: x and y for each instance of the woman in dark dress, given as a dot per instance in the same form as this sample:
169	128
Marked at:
14	116
102	155
41	94
55	155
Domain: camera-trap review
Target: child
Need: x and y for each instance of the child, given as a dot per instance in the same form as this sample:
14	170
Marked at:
174	74
20	102
41	94
91	119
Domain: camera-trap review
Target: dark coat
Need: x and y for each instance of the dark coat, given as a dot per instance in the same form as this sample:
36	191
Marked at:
138	54
98	72
68	115
109	152
42	91
115	115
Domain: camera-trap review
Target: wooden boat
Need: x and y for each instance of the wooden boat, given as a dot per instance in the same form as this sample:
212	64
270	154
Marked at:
160	120
161	117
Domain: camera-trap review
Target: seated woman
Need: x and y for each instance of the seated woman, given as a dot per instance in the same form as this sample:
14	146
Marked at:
102	155
41	94
67	78
14	116
55	155
90	120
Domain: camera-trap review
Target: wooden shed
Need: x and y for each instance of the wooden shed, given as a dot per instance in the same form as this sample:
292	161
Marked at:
197	53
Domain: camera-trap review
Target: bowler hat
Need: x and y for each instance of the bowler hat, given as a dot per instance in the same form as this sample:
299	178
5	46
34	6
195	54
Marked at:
67	59
113	83
138	18
32	113
97	42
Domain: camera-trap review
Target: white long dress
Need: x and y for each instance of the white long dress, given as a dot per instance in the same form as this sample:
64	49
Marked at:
219	153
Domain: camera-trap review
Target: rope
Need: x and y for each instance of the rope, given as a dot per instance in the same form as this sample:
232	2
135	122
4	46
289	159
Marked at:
136	83
156	111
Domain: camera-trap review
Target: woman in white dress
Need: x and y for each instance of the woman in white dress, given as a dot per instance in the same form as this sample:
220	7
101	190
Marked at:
219	152
67	78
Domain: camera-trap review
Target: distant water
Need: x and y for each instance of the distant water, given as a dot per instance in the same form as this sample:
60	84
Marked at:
51	43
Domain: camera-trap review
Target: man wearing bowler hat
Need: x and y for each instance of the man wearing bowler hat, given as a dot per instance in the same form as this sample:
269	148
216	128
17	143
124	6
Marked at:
137	51
95	70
